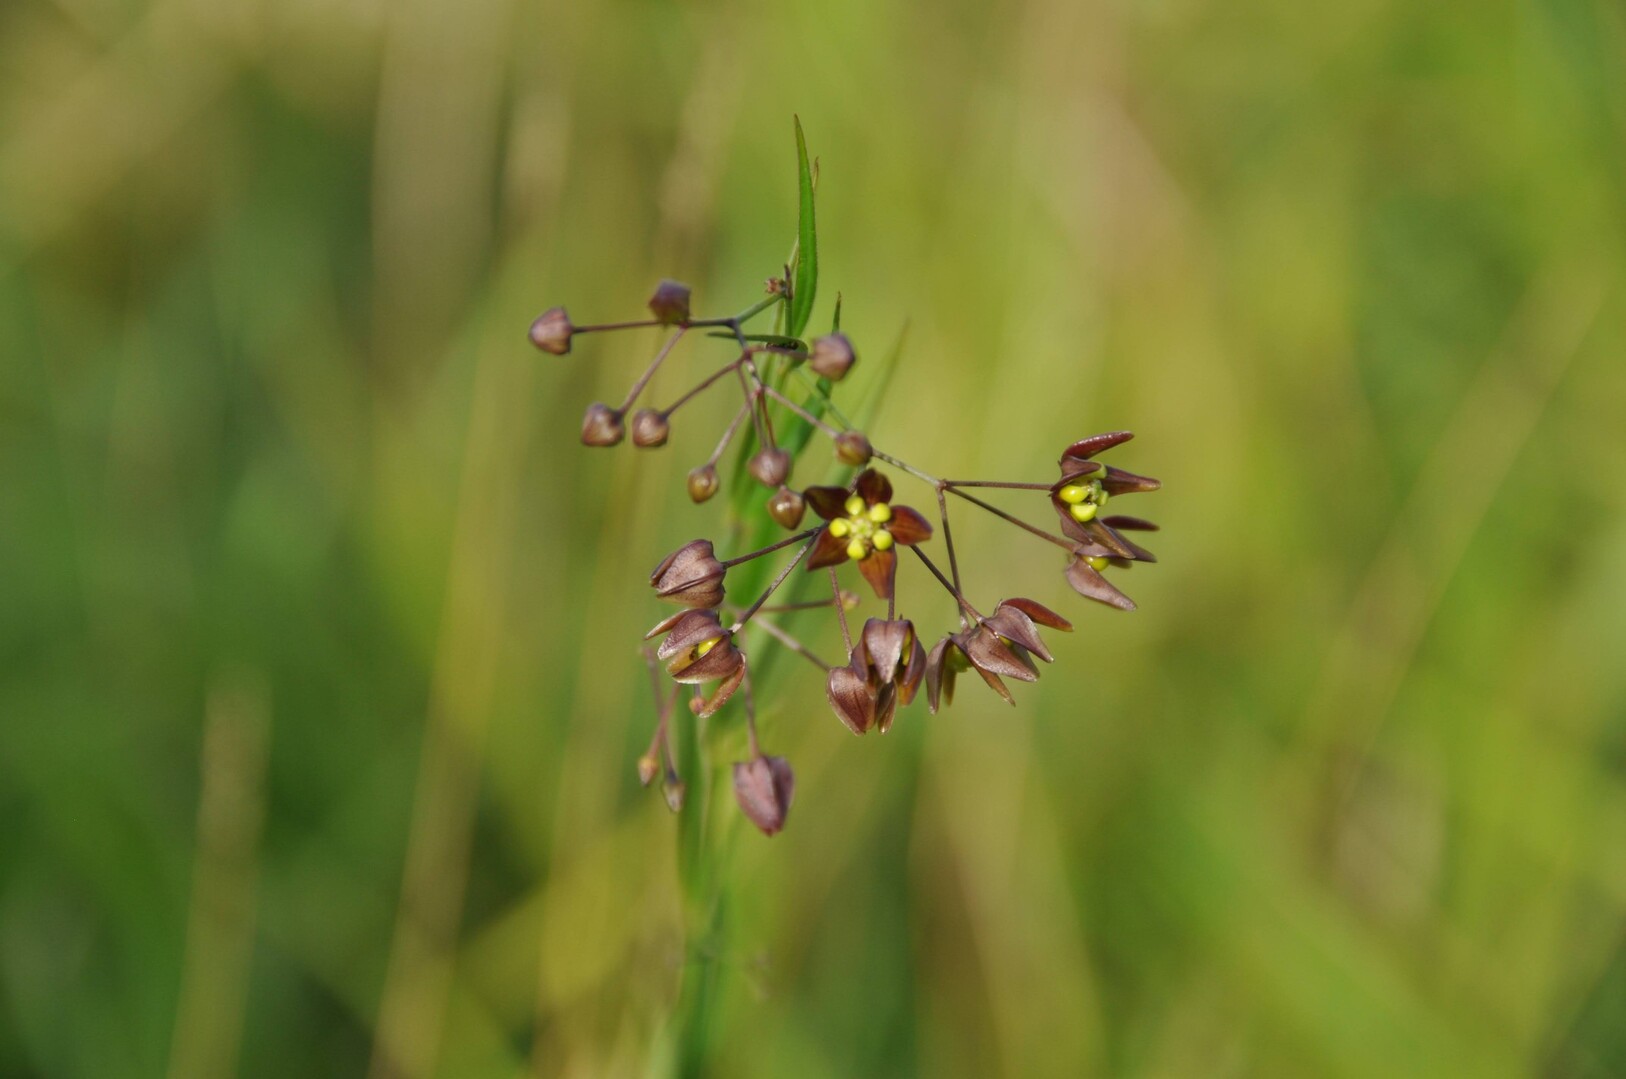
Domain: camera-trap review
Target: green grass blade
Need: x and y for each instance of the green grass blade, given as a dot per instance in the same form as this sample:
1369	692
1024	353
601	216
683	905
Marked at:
805	282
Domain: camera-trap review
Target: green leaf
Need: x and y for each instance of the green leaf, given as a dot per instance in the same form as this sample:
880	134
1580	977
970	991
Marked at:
805	280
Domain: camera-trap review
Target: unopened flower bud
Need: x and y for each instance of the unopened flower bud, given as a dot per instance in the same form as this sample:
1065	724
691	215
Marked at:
674	791
670	304
770	467
649	428
691	576
703	482
648	769
601	426
551	331
786	507
832	356
764	788
852	448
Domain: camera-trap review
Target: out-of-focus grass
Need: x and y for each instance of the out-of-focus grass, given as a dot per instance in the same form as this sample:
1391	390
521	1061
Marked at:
318	702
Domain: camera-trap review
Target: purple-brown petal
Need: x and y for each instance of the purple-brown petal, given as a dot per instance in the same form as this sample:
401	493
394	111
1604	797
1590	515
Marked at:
908	527
1016	627
1087	582
989	655
764	788
1041	614
909	681
873	487
884	642
688	630
828	550
879	568
1119	482
828	502
722	661
1109	539
719	696
850	699
936	668
1125	523
1086	448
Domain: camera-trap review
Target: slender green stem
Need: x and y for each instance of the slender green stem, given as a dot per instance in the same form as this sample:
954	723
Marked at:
959	597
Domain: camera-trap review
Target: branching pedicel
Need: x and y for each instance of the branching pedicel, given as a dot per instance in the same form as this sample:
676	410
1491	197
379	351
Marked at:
860	523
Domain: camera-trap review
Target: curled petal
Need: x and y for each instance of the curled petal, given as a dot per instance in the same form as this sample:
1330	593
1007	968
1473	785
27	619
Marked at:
1091	585
873	487
1085	448
828	502
1119	482
1140	553
828	550
764	789
850	698
880	569
1041	614
908	527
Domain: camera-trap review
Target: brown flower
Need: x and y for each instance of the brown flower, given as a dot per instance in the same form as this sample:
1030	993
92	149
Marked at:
832	356
884	671
864	526
551	332
1085	570
670	303
1002	644
690	576
764	788
698	649
1086	486
602	425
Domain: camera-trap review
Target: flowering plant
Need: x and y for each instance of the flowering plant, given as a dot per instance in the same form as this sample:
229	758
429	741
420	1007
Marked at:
885	662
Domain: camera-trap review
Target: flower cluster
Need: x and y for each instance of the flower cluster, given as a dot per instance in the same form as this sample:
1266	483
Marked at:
860	523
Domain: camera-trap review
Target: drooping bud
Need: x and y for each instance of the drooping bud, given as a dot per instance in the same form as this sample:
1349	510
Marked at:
786	507
852	448
551	331
674	791
601	425
649	428
690	576
770	467
832	356
850	698
703	482
670	303
764	788
648	769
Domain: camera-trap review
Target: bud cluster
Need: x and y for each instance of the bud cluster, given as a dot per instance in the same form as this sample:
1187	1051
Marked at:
859	523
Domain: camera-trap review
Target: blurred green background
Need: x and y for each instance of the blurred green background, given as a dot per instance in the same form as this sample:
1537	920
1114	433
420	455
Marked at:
319	699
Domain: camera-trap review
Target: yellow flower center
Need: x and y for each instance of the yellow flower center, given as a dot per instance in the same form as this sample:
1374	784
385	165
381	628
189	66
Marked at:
862	528
1087	498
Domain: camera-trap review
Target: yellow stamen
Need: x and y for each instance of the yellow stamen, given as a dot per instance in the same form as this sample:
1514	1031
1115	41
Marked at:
856	549
882	539
855	505
839	528
1082	512
705	646
1073	493
1097	564
880	512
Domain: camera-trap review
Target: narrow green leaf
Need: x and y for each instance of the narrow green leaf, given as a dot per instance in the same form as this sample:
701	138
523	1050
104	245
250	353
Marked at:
835	323
805	284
